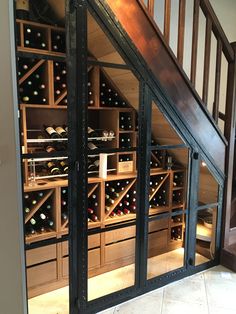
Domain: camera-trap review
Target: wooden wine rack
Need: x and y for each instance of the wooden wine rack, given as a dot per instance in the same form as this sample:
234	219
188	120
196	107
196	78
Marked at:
47	266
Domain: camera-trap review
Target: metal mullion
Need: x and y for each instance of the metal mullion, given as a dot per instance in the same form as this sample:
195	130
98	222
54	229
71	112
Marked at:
143	183
167	215
163	147
109	65
26	54
205	206
111	150
76	31
110	228
192	215
219	230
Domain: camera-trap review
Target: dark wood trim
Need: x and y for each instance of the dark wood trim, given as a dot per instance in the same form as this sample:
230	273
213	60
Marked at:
230	135
207	60
167	20
217	81
195	41
181	29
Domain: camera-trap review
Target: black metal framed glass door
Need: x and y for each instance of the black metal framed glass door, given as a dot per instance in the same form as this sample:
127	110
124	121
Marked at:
106	123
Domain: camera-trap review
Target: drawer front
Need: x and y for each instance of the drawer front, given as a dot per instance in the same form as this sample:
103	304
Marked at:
158	225
41	274
41	254
118	235
119	250
157	241
93	261
93	241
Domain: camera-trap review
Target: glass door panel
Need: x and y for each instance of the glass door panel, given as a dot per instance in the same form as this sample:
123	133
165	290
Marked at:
167	197
206	235
113	104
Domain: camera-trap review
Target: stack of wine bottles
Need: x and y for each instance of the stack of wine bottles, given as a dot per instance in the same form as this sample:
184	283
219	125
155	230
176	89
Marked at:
60	81
161	196
177	198
58	41
176	233
113	191
178	179
93	164
177	218
42	220
109	97
125	121
90	94
92	208
125	157
33	90
24	65
125	141
35	37
64	205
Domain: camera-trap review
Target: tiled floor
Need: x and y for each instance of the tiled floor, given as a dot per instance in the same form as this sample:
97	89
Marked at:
210	292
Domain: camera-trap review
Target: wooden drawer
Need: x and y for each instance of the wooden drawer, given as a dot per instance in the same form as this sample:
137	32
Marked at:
158	225
157	242
93	261
41	274
93	241
120	234
119	250
41	254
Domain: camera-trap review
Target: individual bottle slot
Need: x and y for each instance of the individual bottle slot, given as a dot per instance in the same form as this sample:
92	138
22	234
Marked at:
58	41
125	121
33	89
125	141
176	233
35	37
60	82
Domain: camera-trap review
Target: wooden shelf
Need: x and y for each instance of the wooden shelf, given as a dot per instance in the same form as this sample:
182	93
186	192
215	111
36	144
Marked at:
118	219
40	237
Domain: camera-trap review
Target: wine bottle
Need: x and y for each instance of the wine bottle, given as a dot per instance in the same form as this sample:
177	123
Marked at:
51	131
49	148
22	9
64	166
64	216
53	169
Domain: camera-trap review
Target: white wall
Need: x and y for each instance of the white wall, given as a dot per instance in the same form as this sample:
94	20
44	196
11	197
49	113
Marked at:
226	12
12	292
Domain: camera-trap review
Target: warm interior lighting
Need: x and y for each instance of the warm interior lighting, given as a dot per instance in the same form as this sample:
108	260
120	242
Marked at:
203	164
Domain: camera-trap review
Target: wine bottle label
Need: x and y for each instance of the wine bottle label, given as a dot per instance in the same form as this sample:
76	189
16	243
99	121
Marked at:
22	5
50	130
60	130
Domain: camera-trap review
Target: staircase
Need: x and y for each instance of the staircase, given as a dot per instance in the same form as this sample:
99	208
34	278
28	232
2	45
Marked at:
199	97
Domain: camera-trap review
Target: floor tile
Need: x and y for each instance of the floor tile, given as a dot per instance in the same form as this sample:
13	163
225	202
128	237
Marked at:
171	306
149	303
221	293
220	310
189	289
